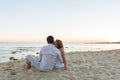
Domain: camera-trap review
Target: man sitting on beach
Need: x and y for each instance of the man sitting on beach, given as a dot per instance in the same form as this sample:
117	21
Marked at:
48	57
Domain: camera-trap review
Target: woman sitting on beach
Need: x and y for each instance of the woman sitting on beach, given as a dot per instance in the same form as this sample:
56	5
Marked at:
59	64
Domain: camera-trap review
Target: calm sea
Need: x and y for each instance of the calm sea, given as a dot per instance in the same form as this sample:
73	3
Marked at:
20	50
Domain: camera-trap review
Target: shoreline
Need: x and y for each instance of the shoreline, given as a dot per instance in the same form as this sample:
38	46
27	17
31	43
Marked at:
14	57
87	65
19	50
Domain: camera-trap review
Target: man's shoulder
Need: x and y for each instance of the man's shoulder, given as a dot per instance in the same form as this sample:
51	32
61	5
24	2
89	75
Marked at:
50	47
45	46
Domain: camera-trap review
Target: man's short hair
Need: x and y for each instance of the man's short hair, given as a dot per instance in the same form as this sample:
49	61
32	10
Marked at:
50	39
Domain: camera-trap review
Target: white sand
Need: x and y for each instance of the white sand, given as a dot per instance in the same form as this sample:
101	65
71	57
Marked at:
98	65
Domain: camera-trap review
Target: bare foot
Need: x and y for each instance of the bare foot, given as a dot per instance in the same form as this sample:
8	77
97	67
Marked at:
27	66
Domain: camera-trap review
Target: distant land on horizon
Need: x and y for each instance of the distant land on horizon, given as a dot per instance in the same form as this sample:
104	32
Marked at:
104	42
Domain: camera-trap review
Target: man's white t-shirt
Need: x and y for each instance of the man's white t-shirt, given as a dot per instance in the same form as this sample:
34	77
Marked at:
49	55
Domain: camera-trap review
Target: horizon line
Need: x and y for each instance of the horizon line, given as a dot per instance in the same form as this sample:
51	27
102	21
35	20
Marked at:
64	42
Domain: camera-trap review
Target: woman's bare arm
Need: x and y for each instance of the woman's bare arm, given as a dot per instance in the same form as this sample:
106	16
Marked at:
64	58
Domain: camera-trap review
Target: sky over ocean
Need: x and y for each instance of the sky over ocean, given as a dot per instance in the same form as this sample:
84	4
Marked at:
68	20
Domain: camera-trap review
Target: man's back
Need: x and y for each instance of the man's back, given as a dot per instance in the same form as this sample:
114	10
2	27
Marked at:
49	56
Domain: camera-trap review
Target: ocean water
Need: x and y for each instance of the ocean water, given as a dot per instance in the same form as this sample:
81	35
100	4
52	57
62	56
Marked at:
20	50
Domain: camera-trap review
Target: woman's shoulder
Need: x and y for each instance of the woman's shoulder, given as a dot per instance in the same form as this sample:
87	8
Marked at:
62	49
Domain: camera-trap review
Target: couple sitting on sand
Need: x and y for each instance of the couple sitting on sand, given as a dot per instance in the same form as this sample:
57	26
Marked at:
51	56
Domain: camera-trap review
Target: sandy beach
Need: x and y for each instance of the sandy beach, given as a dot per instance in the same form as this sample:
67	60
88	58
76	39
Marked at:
97	65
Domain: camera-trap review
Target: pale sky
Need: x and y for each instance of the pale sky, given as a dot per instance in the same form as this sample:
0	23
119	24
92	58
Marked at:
68	20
